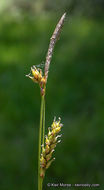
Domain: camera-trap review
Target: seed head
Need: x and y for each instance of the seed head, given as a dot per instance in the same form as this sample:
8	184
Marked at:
51	140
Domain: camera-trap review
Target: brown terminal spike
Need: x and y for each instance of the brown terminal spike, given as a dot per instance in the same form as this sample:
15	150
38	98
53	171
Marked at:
53	40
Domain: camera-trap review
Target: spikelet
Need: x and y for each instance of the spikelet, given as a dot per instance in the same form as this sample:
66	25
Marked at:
37	77
51	141
53	39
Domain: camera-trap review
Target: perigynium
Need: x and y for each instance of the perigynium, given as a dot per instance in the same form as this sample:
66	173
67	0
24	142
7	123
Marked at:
46	149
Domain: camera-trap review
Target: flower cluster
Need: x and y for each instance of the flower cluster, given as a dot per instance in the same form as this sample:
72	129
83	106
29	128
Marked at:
37	77
51	141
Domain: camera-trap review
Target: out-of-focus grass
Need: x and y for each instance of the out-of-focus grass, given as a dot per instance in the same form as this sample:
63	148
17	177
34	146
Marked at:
75	91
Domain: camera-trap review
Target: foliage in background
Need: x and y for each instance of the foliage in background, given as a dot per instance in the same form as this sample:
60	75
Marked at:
89	8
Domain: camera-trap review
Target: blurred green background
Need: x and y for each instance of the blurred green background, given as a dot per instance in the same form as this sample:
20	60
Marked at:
75	91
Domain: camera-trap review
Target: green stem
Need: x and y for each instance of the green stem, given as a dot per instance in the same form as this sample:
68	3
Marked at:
43	120
40	180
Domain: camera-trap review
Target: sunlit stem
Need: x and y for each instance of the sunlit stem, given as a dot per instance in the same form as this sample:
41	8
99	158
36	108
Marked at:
40	180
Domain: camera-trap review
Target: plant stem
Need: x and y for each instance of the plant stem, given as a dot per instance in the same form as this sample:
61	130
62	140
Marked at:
43	120
40	180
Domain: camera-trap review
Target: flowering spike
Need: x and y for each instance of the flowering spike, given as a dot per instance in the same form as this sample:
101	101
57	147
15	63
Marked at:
50	144
53	39
37	77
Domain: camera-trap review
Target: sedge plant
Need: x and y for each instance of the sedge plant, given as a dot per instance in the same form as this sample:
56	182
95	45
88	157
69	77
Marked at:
47	143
